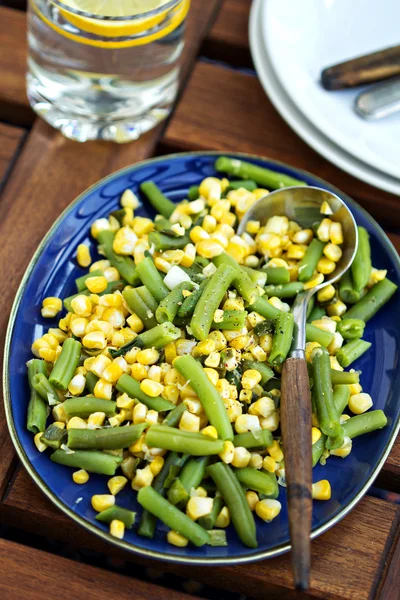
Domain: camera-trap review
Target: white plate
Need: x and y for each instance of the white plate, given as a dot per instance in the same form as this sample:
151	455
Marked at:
302	126
304	37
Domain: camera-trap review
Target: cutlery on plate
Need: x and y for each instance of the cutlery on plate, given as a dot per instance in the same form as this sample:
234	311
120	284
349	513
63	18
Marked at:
303	205
380	100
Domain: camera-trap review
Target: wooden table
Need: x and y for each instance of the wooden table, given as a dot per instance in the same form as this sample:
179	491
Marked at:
221	107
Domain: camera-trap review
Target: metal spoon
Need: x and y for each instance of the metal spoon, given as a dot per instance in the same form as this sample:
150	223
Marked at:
303	205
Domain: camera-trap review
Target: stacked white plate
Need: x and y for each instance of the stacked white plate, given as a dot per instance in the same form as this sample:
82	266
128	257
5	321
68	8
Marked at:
292	41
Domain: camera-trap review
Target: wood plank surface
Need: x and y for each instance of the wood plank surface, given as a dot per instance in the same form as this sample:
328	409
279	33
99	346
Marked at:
223	109
30	574
359	544
14	106
228	39
390	584
50	172
10	140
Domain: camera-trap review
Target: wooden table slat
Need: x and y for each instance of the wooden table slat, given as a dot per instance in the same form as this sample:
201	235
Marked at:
10	140
358	544
40	574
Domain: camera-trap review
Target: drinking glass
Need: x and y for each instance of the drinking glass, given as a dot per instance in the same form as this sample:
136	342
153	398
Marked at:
104	69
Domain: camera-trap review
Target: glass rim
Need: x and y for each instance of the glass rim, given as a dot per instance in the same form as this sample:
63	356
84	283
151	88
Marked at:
163	8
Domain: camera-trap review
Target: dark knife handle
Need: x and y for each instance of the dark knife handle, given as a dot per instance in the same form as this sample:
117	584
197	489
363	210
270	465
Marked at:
364	69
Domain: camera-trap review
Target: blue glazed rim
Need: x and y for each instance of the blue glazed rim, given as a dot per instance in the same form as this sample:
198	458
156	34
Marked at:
153	554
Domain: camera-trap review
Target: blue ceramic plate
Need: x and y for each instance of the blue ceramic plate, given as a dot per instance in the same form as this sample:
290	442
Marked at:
52	272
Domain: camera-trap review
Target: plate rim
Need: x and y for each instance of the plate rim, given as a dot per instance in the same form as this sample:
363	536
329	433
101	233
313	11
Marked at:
307	131
334	135
154	554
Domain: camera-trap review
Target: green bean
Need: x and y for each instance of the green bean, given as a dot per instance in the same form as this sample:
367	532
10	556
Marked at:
347	292
44	388
208	394
162	224
107	438
260	438
160	203
351	329
54	436
208	521
262	176
124	264
282	339
172	516
147	298
172	419
264	308
233	494
285	290
315	334
91	460
117	513
259	481
317	449
257	277
128	385
209	301
189	303
266	372
351	351
190	477
85	406
242	281
152	279
112	286
335	442
193	193
173	463
317	313
365	423
361	265
341	395
344	377
373	300
195	444
162	241
169	306
91	380
277	275
80	282
157	337
248	184
64	369
323	393
308	264
140	308
231	320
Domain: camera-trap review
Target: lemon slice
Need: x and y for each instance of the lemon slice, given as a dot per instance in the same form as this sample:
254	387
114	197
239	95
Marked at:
110	8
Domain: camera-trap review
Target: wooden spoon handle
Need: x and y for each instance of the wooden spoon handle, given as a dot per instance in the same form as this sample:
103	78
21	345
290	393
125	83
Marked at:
296	434
363	69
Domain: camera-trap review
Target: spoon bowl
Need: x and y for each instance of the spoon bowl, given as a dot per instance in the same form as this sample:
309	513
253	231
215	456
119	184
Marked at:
306	206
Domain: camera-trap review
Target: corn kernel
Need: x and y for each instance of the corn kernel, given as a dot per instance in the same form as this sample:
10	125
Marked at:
269	464
138	372
227	453
324	229
376	276
80	476
212	375
223	520
253	227
252	499
51	307
246	423
205	348
176	539
275	451
326	324
268	509
148	357
263	407
210	431
189	422
96	419
296	251
304	236
99	364
41	446
101	502
96	284
116	484
151	388
209	248
103	389
197	234
256	460
82	305
198	507
241	457
112	373
344	449
355	388
98	226
315	280
156	465
143	478
338	309
321	490
83	255
271	423
77	384
336	233
336	343
250	378
315	435
76	423
326	266
59	414
129	199
139	413
151	417
326	294
360	403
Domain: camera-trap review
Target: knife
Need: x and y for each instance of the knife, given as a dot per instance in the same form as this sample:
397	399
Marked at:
380	100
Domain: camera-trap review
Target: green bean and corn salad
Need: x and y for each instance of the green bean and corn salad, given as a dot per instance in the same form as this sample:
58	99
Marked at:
164	373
